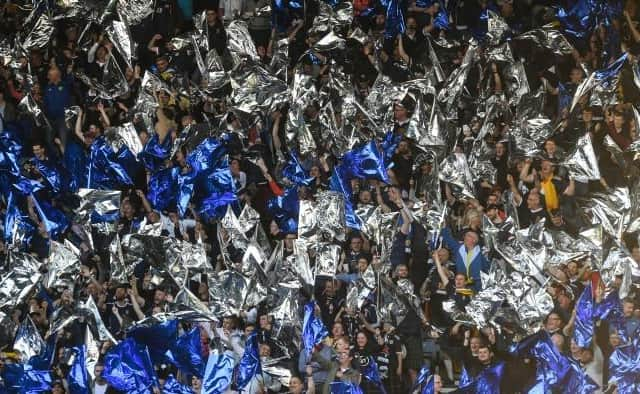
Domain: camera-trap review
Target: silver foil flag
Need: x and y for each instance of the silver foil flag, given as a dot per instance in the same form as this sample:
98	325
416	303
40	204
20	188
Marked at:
455	171
582	162
91	309
19	277
40	35
125	135
610	209
63	265
240	43
327	260
548	38
28	342
135	11
120	36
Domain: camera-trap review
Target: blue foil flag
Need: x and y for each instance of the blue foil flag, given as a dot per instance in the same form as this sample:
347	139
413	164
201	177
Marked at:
10	151
104	171
55	175
441	19
219	181
394	23
207	166
341	184
187	353
610	310
54	220
372	374
27	186
23	379
285	210
172	386
487	381
14	220
429	387
584	16
207	155
128	367
156	337
155	153
44	360
163	188
215	191
624	367
465	378
185	186
17	226
424	380
608	76
365	162
389	145
75	161
580	20
295	173
345	388
218	373
129	161
583	330
551	365
215	206
78	376
313	329
577	381
249	365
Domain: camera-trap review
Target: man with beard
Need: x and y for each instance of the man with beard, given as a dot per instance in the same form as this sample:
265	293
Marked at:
99	384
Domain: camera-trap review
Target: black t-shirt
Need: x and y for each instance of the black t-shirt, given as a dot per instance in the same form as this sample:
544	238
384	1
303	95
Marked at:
396	70
127	314
329	307
217	37
528	217
387	358
402	168
415	47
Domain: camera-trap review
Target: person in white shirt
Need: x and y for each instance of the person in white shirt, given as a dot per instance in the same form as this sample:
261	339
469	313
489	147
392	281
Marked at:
239	177
99	385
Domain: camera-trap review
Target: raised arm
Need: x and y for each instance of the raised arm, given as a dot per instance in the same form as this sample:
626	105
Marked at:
444	278
402	52
78	128
525	176
496	77
517	197
145	202
103	115
632	27
136	307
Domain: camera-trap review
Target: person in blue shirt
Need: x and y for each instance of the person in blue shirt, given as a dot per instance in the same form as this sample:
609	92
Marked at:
57	98
468	257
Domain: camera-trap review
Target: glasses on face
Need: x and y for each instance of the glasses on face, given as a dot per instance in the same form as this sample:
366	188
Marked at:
411	27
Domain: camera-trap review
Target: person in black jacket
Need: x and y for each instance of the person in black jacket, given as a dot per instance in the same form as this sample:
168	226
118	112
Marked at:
216	34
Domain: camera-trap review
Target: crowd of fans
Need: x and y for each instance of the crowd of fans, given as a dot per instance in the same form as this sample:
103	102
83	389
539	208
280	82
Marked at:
52	104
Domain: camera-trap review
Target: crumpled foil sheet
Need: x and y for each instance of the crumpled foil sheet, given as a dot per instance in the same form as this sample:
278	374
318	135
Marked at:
582	162
125	135
454	170
63	266
18	277
135	11
40	35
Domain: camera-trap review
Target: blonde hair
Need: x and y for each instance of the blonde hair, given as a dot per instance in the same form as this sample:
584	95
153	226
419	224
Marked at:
469	215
